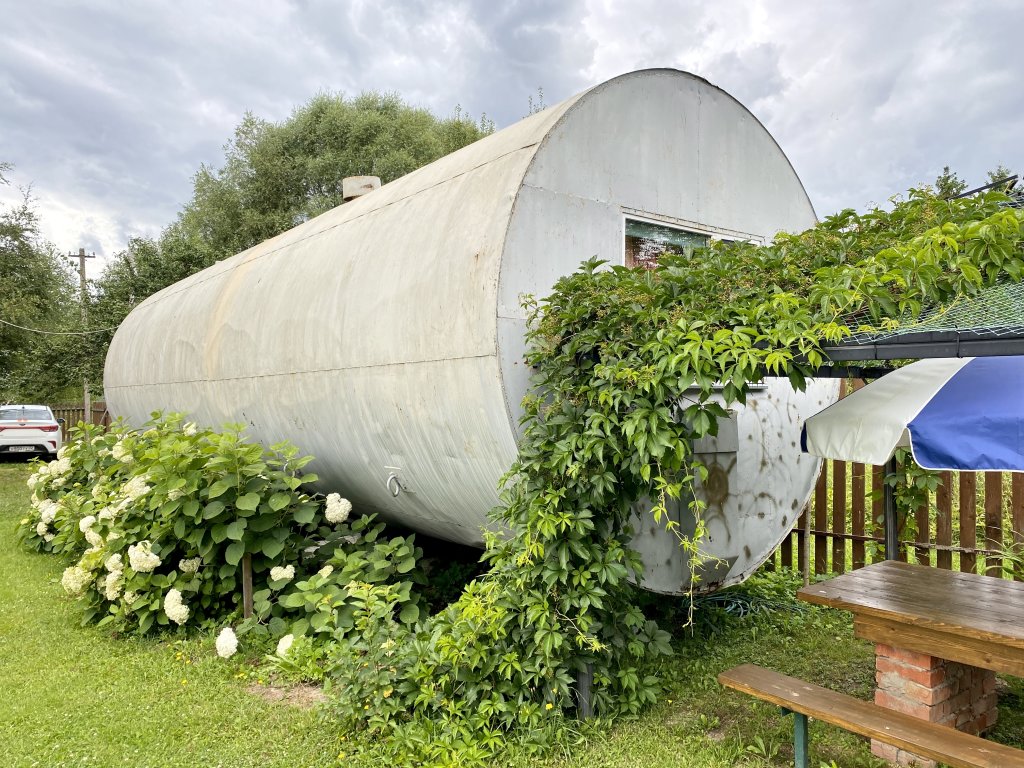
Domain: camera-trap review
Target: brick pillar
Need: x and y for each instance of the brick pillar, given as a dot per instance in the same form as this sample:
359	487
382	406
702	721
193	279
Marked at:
934	689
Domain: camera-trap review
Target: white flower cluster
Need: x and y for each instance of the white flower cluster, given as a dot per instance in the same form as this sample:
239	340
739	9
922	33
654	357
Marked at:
120	453
107	514
112	585
42	529
37	478
95	540
285	572
227	643
142	558
189	429
130	597
284	644
190	566
326	571
48	510
136	488
337	508
60	467
115	563
175	493
175	609
86	523
75	580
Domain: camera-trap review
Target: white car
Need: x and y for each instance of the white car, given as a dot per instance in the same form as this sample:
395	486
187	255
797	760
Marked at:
29	429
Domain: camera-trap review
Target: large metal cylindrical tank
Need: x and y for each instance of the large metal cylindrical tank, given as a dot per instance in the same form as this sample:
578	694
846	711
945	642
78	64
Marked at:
385	336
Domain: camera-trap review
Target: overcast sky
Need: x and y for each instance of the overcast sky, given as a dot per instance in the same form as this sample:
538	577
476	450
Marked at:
108	108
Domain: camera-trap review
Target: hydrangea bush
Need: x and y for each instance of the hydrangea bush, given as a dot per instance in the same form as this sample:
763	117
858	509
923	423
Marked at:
155	524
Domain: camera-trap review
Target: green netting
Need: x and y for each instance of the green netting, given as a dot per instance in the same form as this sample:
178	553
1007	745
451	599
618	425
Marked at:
997	312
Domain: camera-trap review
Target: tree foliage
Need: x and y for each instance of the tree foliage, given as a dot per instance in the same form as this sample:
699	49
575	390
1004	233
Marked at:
36	291
948	184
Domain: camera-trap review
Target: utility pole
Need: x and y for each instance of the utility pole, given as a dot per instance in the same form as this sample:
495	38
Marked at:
82	256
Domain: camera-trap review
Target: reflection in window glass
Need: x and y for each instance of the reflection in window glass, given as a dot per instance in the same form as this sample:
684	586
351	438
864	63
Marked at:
645	242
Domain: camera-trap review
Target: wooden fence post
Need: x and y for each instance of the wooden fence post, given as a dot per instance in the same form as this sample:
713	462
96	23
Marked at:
994	521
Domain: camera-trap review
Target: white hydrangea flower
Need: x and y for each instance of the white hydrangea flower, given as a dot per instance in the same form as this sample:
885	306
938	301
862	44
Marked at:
130	597
326	571
60	467
175	493
114	536
286	572
284	644
41	528
48	538
112	586
142	558
86	523
189	429
33	481
175	609
120	453
136	488
75	580
337	508
227	643
62	452
97	491
115	563
107	514
48	510
94	539
190	566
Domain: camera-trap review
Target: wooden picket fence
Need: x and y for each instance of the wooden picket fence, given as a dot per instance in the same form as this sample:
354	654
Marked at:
72	413
967	525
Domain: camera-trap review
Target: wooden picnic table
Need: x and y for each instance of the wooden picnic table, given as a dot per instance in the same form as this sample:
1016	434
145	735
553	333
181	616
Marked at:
963	617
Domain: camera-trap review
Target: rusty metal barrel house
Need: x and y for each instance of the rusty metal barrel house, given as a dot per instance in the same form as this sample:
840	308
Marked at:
385	337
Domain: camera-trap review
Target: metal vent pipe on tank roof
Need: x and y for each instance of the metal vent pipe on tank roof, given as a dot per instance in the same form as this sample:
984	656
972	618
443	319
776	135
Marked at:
357	186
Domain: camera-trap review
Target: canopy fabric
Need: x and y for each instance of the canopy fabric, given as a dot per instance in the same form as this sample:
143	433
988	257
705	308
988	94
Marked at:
965	414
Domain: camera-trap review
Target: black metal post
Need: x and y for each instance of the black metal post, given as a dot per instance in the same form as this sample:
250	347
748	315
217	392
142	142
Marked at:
892	532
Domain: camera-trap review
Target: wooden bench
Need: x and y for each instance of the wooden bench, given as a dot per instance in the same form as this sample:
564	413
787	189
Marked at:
937	742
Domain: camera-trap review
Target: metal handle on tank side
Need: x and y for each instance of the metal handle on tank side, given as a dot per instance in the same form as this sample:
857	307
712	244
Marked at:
393	479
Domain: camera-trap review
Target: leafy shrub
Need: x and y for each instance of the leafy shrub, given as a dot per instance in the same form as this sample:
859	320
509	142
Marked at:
157	522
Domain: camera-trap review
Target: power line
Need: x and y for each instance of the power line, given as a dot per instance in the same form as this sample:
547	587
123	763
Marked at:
57	333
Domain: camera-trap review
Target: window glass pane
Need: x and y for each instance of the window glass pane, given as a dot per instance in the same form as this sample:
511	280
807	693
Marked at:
645	242
30	414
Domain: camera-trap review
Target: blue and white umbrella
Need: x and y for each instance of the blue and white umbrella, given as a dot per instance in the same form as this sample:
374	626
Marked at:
953	413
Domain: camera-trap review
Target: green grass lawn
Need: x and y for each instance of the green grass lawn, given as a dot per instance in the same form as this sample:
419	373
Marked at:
74	696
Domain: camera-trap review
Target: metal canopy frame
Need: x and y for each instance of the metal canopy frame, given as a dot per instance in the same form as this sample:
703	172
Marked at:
929	344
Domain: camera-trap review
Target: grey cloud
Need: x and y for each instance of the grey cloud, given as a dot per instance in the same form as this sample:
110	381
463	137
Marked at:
109	108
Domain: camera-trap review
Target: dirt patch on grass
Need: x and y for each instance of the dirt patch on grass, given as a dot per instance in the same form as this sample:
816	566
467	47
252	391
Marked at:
305	696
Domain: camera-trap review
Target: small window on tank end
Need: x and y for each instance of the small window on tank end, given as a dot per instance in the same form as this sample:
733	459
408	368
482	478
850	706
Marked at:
646	241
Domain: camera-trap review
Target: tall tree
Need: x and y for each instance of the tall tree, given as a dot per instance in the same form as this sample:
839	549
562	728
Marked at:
948	184
36	292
